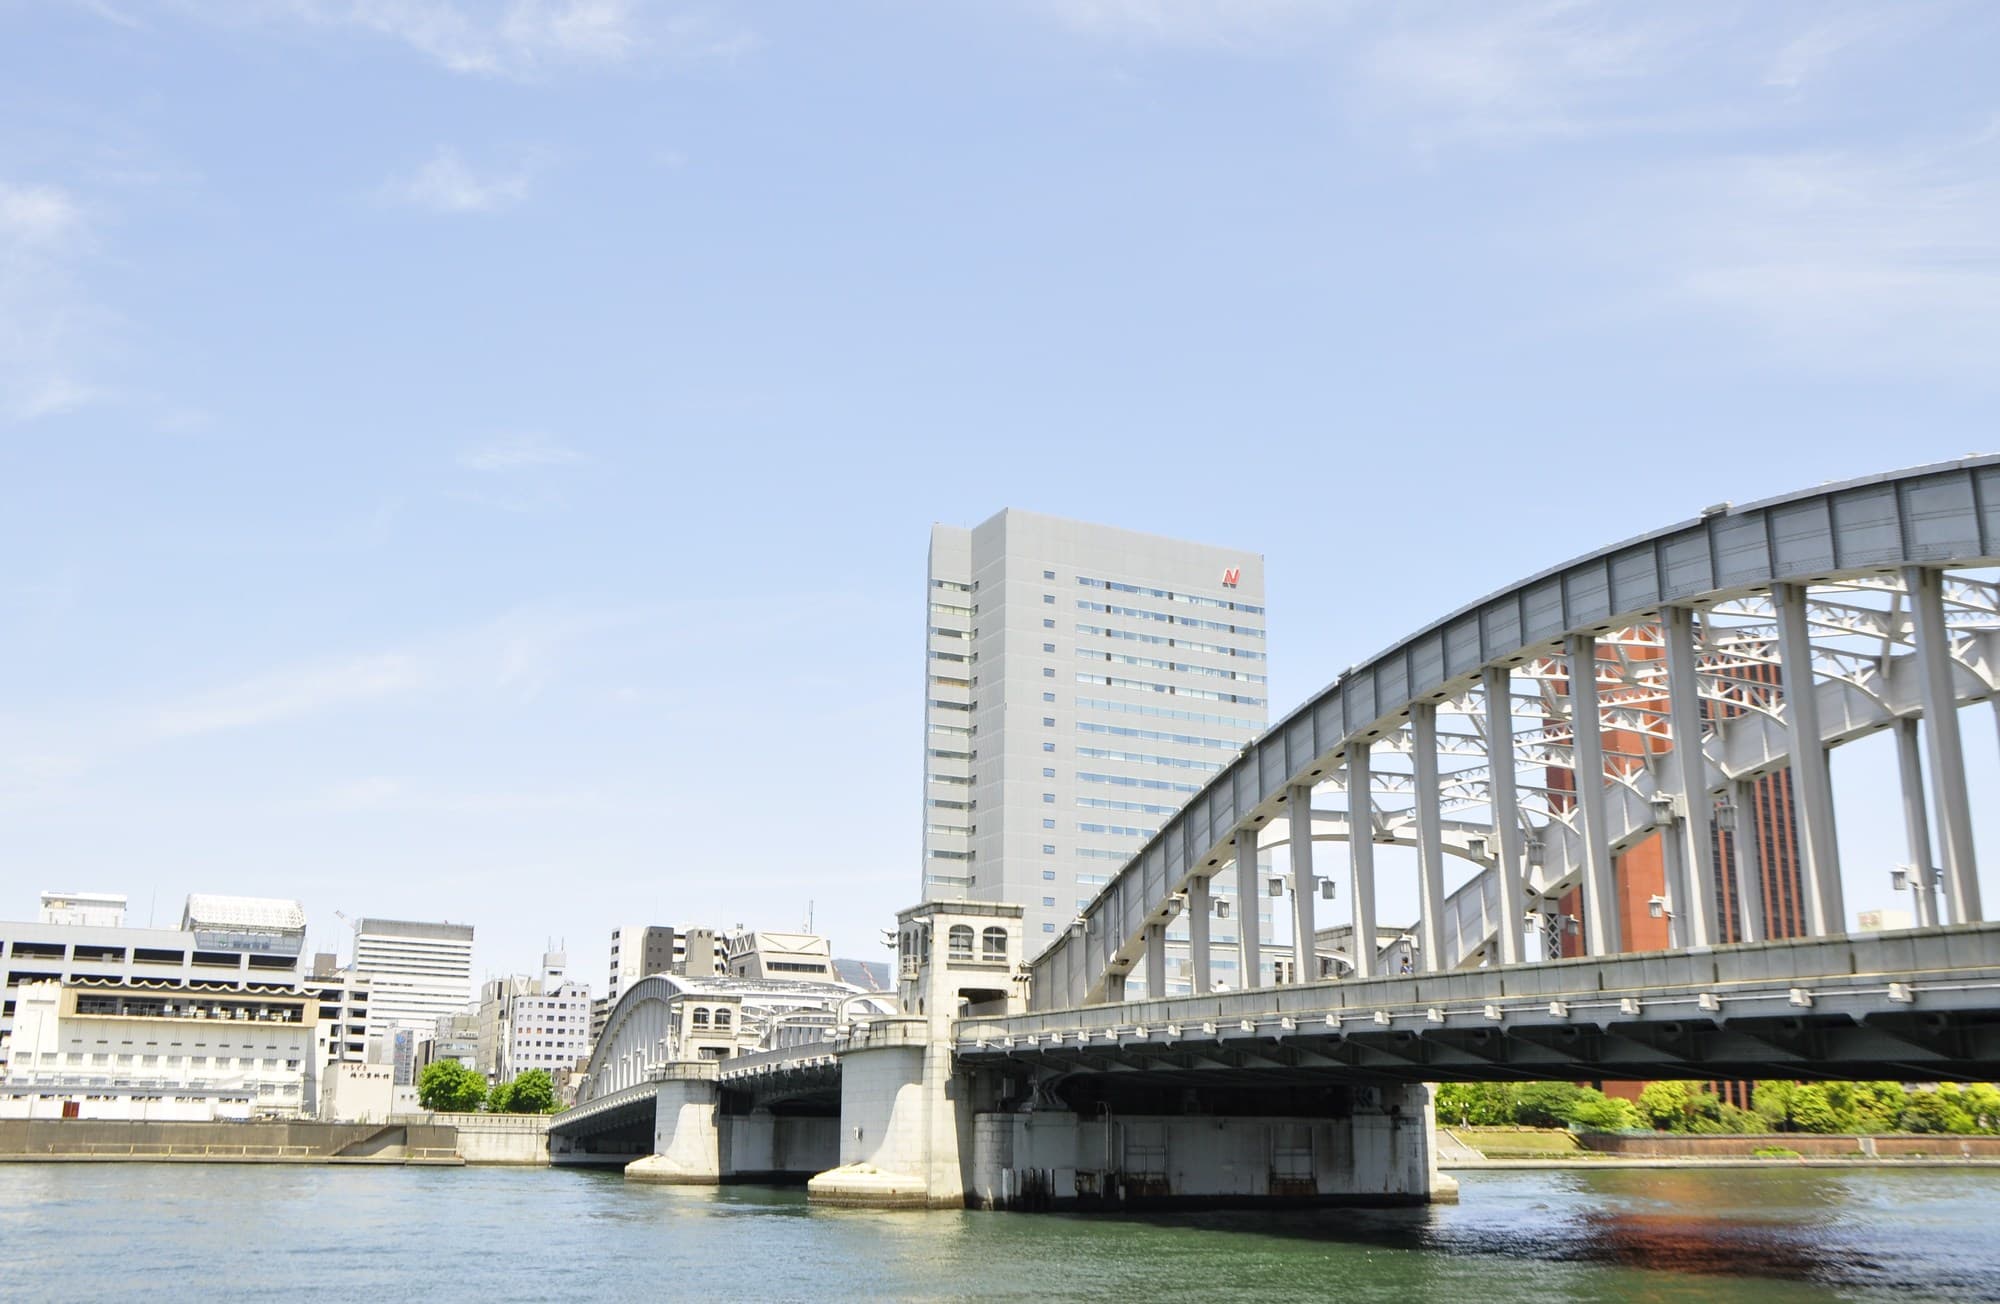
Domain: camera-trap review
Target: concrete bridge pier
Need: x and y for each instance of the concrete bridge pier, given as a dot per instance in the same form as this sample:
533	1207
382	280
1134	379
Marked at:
687	1148
902	1119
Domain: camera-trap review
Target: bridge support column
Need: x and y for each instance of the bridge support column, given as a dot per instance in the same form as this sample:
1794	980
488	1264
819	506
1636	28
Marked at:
1430	836
1361	854
1249	939
1695	836
1947	754
1747	843
1498	683
1812	779
687	1145
1114	987
1198	912
1305	956
1156	961
1674	884
902	1119
1916	821
1600	888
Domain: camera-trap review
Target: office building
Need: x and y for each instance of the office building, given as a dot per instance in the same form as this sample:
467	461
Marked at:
116	1049
418	973
1082	682
240	943
533	1023
767	954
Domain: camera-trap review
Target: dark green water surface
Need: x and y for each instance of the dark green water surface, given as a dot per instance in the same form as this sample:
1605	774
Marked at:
74	1232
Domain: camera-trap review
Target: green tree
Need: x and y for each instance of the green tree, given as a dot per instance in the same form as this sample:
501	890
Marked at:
1545	1104
1773	1103
1941	1109
1982	1101
1667	1106
534	1093
1596	1112
500	1100
1476	1104
449	1087
1811	1111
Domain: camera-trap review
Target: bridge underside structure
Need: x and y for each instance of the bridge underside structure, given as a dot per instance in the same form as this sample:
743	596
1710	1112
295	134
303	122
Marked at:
1632	694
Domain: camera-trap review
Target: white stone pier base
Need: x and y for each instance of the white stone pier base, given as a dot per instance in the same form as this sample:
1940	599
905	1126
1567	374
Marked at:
900	1123
687	1147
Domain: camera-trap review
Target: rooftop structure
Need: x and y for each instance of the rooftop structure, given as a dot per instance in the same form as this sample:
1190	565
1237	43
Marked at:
91	909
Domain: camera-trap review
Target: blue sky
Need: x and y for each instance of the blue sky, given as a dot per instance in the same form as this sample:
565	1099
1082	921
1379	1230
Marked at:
475	460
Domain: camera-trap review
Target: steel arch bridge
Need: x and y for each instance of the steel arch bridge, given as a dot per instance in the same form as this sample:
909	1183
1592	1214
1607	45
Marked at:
1770	633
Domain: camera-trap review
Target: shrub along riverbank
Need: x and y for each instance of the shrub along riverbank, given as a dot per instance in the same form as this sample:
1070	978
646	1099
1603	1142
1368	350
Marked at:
1776	1106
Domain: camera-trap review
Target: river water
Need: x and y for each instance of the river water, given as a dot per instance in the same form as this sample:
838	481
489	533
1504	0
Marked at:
75	1232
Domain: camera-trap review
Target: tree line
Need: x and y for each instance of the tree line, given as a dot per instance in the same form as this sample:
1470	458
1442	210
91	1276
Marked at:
449	1087
1776	1106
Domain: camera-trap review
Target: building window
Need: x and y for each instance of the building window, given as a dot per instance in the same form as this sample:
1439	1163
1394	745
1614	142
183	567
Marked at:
1048	747
1048	823
993	944
1049	598
1048	901
1048	575
1048	624
1049	798
1048	876
1048	848
1048	722
721	1019
959	942
1048	772
1048	928
1048	672
1048	697
1048	647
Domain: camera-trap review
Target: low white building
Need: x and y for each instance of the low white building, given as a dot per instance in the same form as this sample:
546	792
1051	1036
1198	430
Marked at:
768	954
144	1051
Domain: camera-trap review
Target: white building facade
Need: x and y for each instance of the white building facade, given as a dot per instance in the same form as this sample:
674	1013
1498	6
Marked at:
418	973
1082	682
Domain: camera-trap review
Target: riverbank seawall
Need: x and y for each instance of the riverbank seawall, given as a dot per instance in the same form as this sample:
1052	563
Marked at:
419	1139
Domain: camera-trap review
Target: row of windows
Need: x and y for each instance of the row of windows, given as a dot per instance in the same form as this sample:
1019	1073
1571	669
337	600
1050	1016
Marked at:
1147	758
1147	686
1171	596
1100	853
938	632
951	586
992	943
953	830
1133	635
1154	663
1167	713
949	609
1135	807
958	657
1157	736
938	854
945	803
962	780
950	754
952	730
1119	830
1140	613
1127	781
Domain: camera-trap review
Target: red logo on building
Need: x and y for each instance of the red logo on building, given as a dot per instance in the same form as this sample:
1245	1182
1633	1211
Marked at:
1230	576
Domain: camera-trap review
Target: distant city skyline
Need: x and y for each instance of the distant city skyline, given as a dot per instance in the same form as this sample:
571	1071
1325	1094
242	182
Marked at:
465	467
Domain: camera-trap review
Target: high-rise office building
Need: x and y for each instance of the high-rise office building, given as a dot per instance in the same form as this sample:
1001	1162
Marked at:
418	973
1082	682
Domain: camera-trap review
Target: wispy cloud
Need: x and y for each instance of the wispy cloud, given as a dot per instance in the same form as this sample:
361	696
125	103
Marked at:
518	453
446	184
290	693
1866	261
510	38
47	323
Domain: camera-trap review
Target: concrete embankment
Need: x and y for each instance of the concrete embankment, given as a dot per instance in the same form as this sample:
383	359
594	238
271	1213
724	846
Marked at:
428	1139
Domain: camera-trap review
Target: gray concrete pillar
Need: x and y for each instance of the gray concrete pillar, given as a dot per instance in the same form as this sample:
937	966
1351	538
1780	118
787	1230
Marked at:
1305	957
1156	961
1695	833
1947	753
1600	888
1430	837
1749	847
1812	778
1510	861
1249	902
1114	987
1198	908
1916	821
1361	854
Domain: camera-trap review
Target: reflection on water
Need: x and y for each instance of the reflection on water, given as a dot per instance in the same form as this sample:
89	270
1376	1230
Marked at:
85	1232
